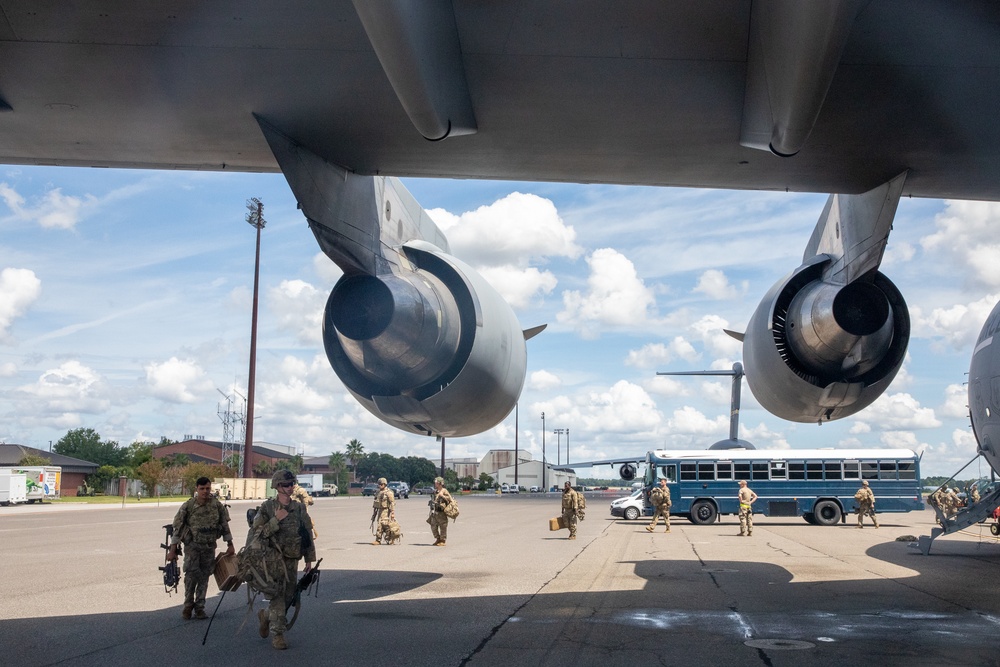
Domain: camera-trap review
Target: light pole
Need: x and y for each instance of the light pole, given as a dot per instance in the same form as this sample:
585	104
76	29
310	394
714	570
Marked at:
567	447
545	484
255	217
558	432
515	445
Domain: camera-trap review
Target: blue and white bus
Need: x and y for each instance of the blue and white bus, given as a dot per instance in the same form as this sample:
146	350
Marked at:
816	484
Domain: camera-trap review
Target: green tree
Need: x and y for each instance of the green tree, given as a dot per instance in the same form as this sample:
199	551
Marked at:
285	464
416	469
100	477
192	471
263	469
138	453
34	460
176	460
86	444
338	466
485	481
297	463
450	479
231	466
355	450
152	473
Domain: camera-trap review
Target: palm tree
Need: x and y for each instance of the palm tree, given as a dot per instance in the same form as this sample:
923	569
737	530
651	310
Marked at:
263	468
337	464
355	450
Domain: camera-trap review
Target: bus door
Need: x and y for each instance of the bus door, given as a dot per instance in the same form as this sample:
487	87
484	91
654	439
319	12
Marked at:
667	471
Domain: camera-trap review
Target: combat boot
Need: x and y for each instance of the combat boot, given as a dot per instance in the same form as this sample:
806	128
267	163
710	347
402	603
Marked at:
649	529
200	614
278	642
186	612
265	623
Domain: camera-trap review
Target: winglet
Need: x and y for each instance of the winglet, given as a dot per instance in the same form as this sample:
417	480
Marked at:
534	331
735	334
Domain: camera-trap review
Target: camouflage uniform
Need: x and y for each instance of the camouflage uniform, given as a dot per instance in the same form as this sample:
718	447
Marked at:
198	526
291	535
660	498
385	508
866	504
570	505
438	519
746	497
301	495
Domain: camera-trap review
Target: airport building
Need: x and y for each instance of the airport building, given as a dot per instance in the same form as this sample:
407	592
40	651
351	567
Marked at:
529	474
211	451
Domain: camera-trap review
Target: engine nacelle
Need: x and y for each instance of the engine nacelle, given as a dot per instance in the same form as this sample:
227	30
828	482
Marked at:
816	351
434	351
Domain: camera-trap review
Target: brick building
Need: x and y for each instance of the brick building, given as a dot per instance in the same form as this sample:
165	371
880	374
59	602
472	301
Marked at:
210	451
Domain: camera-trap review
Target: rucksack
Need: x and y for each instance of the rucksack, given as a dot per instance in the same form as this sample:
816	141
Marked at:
451	509
262	566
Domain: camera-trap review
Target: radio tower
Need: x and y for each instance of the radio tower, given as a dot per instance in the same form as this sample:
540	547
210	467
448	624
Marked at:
232	443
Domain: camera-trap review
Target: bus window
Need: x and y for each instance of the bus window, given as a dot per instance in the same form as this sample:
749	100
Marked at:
796	470
833	470
668	473
689	471
814	470
907	470
706	471
887	469
760	470
778	470
851	470
869	470
724	470
742	470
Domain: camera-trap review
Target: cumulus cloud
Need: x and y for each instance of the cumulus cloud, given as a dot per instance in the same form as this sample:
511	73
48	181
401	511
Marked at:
543	381
19	288
70	388
616	296
689	420
660	354
7	369
898	412
298	307
177	380
966	233
519	286
52	210
958	325
710	329
956	402
715	285
623	408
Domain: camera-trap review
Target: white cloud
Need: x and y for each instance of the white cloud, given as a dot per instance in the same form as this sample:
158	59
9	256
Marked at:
715	285
956	402
52	210
19	288
625	407
7	369
71	388
177	380
511	231
689	420
518	286
958	325
543	381
298	307
897	412
659	354
616	296
966	232
710	329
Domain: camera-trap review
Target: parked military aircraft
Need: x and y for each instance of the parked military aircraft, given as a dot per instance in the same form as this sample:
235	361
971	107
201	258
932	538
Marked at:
869	99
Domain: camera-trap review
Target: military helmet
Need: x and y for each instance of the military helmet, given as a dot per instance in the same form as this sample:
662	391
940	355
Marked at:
382	481
439	480
864	482
282	477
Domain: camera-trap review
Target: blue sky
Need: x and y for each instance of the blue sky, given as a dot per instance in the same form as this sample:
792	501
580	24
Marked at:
125	307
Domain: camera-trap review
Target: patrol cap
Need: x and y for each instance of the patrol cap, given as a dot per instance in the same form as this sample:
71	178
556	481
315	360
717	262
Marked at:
439	480
282	477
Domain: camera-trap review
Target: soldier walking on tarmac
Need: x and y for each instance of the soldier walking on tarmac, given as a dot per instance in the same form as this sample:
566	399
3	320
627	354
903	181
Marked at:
747	497
383	511
660	499
199	522
438	519
866	504
570	507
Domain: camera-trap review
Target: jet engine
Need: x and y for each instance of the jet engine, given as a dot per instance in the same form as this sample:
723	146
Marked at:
627	472
434	350
816	351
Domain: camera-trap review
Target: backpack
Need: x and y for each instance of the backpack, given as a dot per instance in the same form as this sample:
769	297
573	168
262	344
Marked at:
262	566
451	509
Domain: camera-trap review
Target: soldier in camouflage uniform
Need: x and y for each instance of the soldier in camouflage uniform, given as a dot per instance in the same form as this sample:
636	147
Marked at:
199	522
746	497
438	519
570	506
286	524
660	498
384	510
866	504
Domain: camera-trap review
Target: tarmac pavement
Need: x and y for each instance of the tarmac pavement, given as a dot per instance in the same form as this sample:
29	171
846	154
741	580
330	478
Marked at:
79	586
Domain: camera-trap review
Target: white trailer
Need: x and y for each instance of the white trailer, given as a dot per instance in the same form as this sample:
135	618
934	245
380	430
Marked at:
312	483
13	489
43	481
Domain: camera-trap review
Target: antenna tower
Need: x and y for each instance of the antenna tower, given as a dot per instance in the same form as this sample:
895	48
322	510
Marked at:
233	419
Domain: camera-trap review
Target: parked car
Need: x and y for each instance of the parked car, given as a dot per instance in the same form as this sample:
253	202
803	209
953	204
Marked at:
505	488
514	488
535	489
400	489
369	490
425	490
629	507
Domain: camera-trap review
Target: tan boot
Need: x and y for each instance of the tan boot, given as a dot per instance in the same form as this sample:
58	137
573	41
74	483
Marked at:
186	612
265	623
650	529
278	642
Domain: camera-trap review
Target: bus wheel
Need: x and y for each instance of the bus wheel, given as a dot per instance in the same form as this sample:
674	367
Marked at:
810	518
631	513
827	513
702	513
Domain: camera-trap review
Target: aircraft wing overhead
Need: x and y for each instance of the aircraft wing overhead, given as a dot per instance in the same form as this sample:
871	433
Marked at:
642	92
